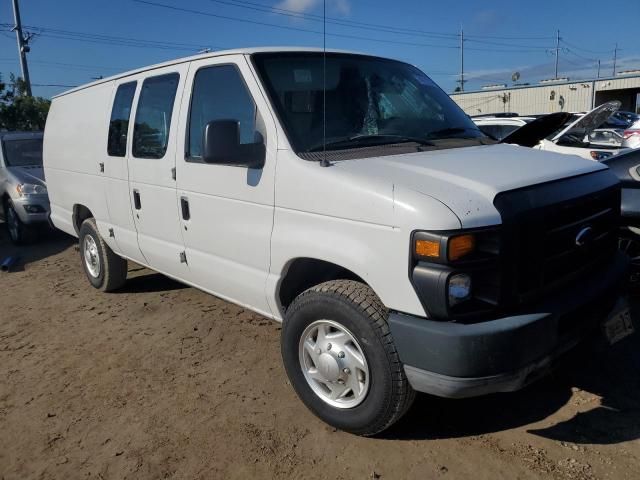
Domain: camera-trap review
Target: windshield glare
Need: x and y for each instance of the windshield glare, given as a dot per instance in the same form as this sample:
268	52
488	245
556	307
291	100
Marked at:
365	96
22	153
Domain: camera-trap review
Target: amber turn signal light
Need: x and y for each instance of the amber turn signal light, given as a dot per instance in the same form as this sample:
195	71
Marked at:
460	246
428	248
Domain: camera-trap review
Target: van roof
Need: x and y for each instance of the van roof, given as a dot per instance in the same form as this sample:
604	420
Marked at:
217	53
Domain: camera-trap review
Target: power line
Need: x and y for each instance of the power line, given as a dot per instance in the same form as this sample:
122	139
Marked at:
597	52
287	27
568	50
335	21
306	30
67	65
486	42
113	40
356	24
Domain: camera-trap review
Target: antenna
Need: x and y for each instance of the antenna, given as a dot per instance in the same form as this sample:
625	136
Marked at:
324	162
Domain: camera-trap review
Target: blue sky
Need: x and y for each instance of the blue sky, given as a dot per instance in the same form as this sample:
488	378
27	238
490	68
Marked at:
502	36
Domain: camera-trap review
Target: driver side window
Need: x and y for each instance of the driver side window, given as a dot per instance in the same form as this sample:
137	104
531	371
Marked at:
219	93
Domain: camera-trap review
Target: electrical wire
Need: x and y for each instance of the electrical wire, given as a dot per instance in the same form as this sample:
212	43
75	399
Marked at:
112	40
288	27
335	21
597	52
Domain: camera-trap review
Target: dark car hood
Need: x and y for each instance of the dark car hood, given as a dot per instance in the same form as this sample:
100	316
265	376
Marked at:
529	135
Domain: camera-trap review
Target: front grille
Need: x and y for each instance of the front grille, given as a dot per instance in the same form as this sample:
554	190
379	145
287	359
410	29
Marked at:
548	252
541	224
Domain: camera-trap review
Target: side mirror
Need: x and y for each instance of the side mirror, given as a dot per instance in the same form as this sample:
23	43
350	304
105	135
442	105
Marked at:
221	145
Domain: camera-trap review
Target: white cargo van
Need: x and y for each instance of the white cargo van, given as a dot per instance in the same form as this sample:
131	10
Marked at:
350	198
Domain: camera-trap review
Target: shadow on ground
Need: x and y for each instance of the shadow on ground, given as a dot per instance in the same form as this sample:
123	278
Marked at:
595	368
48	242
149	283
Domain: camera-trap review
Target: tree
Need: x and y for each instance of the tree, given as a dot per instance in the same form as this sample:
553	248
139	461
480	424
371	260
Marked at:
19	111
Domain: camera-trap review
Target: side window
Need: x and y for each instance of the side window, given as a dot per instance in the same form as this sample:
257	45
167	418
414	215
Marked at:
119	123
492	130
219	93
153	117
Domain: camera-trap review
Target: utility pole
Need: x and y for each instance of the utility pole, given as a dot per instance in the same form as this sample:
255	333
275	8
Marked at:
23	47
598	69
461	60
557	53
615	59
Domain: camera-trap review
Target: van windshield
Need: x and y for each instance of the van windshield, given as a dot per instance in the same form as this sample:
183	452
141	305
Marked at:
369	101
22	153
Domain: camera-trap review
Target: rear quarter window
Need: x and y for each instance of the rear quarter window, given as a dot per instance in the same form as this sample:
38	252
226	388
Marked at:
119	122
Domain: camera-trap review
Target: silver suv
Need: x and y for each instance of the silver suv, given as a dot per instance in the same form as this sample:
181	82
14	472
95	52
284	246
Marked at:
23	191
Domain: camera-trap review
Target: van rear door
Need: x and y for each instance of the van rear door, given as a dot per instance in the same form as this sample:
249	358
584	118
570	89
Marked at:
152	186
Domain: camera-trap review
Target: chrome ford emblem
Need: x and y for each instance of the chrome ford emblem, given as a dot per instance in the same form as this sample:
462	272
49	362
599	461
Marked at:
584	236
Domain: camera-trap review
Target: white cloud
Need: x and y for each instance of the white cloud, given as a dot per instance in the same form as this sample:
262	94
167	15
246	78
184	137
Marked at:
343	7
299	6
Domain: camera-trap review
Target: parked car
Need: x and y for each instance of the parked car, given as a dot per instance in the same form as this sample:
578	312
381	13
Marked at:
402	249
499	126
606	137
631	136
568	133
25	204
621	120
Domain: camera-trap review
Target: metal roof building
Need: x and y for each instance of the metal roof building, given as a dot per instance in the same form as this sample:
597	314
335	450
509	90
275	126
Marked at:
553	96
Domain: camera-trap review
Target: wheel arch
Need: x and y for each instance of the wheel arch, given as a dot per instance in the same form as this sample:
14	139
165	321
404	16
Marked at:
303	273
80	214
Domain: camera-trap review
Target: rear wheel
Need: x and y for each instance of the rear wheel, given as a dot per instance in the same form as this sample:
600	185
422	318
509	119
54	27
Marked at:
19	233
105	270
341	359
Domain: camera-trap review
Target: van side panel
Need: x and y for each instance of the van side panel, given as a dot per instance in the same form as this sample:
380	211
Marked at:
74	146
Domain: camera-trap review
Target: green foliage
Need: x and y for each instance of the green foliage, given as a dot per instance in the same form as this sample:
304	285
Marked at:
19	111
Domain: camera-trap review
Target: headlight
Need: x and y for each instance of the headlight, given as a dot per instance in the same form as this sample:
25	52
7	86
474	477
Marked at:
459	288
30	189
457	273
600	155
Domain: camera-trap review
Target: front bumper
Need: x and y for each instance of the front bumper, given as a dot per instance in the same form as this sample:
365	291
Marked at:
32	208
457	360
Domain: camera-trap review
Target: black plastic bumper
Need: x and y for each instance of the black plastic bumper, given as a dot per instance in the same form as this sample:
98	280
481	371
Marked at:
458	360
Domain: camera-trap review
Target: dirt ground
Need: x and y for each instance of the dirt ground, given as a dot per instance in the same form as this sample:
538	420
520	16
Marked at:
163	381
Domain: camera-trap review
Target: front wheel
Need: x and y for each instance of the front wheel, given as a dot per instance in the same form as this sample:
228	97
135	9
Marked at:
341	359
19	233
105	270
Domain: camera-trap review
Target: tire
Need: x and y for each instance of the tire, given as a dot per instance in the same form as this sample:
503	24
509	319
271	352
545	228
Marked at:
105	270
19	233
352	308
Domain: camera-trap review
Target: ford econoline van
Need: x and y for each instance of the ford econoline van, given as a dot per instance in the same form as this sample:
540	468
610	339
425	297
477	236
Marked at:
349	197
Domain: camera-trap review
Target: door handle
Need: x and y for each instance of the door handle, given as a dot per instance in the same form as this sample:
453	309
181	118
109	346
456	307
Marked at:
101	165
136	199
184	205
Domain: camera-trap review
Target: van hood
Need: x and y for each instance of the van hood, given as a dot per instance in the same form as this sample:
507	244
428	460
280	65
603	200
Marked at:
29	174
467	180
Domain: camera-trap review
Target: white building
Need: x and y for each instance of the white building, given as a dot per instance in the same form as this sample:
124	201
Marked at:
553	96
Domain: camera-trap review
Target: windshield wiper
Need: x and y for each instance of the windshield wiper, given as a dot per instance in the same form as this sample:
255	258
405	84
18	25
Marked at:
374	139
448	131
